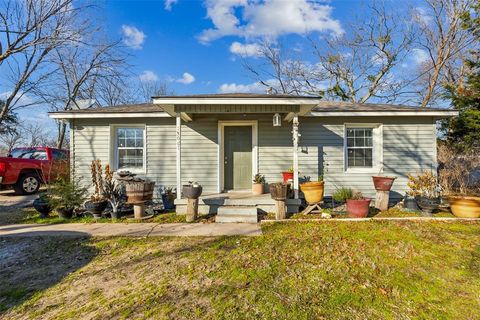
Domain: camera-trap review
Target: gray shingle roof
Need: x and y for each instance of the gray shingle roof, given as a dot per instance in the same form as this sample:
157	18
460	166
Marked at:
324	106
126	108
340	106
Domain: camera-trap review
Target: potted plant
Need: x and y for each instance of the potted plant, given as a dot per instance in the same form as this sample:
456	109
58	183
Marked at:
67	194
42	205
358	205
287	175
258	183
313	190
113	192
168	195
457	181
424	188
383	183
342	194
97	203
192	190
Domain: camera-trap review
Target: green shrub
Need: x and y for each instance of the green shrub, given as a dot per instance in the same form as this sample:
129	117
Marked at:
67	193
342	194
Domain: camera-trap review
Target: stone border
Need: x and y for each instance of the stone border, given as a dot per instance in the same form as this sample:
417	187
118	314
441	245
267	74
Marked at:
444	219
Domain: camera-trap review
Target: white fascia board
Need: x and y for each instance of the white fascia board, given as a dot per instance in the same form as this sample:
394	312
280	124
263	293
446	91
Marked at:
449	113
236	101
91	115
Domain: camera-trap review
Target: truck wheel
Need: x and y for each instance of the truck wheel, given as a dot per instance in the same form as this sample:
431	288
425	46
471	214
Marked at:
27	184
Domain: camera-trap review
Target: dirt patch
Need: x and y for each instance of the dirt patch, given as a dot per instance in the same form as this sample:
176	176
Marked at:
29	265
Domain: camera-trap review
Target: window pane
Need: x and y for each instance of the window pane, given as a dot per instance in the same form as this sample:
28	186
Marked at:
359	157
139	138
350	142
350	133
368	158
368	142
359	141
351	158
368	132
130	158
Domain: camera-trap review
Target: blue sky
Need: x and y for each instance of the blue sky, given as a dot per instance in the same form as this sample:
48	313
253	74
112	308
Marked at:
169	38
197	46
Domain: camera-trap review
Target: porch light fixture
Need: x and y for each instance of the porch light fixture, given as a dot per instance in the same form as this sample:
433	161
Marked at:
277	120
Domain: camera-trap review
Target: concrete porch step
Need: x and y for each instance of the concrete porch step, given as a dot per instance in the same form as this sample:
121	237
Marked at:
238	210
236	218
246	214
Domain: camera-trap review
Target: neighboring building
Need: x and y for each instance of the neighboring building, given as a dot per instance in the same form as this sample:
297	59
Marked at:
222	140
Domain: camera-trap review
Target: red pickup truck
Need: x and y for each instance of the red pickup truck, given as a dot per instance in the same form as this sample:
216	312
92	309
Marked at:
26	168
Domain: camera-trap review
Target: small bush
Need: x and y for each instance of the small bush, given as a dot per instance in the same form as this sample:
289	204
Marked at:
342	194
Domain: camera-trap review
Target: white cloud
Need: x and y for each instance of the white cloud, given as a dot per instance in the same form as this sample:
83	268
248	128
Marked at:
148	76
133	37
270	18
421	15
246	50
255	87
187	78
419	56
21	99
169	4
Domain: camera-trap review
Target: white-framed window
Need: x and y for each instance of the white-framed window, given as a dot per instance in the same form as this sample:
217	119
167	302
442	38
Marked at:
129	149
363	147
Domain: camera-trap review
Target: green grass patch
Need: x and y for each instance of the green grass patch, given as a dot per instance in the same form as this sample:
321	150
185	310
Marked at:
336	270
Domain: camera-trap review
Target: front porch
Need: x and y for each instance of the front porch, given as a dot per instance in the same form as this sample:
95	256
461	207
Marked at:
225	161
237	201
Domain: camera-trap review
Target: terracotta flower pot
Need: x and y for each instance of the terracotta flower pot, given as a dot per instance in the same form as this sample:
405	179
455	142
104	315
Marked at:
358	208
257	189
465	207
287	175
383	183
313	191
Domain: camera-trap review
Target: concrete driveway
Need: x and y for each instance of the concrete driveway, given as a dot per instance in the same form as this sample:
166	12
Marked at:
9	200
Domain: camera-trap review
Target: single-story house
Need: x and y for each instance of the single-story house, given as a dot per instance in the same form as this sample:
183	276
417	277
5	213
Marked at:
222	140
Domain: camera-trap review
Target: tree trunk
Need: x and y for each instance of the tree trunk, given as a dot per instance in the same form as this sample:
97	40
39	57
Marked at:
61	135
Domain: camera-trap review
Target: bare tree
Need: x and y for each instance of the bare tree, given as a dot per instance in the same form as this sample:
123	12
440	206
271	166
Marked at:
356	66
31	30
10	140
36	135
445	41
80	71
149	89
379	58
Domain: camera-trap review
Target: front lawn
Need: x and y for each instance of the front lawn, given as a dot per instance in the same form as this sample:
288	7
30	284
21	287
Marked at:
308	270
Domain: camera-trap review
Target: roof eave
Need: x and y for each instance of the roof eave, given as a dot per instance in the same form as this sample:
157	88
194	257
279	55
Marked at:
439	113
90	115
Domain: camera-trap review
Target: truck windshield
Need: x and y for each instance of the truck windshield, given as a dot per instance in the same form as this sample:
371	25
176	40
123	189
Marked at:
28	154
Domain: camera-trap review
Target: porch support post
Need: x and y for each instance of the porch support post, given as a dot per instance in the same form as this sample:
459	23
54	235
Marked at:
178	135
295	155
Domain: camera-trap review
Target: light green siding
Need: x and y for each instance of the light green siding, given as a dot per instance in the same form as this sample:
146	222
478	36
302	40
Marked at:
408	146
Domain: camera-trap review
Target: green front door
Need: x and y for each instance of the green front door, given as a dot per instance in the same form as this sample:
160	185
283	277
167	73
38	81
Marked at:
237	157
